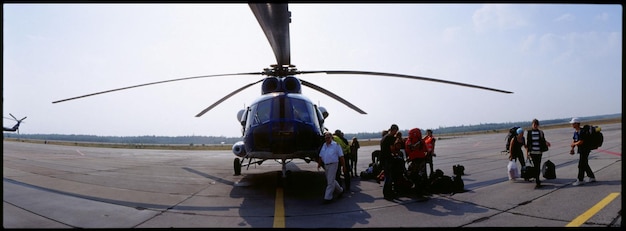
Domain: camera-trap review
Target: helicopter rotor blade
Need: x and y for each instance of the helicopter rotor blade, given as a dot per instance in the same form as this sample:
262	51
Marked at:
274	20
153	83
226	97
13	116
404	76
332	95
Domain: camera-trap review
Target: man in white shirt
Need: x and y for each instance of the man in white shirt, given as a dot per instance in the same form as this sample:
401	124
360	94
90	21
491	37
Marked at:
331	156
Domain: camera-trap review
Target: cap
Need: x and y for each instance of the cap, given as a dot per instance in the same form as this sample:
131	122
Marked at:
338	132
520	131
574	120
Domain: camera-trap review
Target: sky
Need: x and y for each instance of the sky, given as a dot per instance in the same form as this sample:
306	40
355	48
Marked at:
560	61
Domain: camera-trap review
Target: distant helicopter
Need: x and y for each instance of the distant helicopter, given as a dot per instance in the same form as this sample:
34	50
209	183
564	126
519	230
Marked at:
16	127
282	124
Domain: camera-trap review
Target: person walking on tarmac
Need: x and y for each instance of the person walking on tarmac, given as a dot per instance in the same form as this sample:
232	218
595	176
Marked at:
579	139
330	157
534	140
515	148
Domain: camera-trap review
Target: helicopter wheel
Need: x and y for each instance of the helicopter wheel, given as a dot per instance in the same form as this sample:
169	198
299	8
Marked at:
237	166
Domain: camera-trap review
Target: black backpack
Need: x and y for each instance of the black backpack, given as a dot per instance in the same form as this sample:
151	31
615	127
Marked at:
458	170
548	170
594	136
443	184
510	136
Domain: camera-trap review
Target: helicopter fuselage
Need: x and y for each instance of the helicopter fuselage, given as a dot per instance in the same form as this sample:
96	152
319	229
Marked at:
281	125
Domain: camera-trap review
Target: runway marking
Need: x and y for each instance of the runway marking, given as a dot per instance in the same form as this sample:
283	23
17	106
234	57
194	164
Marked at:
609	152
592	211
279	209
80	152
477	144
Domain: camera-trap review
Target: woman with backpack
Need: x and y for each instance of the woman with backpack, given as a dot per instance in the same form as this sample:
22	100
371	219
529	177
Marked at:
515	147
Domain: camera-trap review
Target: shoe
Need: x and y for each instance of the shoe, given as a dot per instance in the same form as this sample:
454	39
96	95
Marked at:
591	180
578	182
538	186
327	201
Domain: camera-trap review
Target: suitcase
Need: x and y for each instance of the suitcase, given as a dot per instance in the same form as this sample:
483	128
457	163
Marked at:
529	171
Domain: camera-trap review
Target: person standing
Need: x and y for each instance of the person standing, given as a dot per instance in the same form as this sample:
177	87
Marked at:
330	157
579	139
376	153
386	145
429	140
416	152
534	140
343	143
401	148
354	149
515	148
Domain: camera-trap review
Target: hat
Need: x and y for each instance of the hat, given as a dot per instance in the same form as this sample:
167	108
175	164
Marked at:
338	132
520	131
574	120
394	127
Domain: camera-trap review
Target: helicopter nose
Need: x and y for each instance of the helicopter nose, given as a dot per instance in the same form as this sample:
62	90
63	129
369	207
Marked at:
283	137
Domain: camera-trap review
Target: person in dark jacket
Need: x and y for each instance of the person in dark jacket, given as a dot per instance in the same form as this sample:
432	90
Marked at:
534	140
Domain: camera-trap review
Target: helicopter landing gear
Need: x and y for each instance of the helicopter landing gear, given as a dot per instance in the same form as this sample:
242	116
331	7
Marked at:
237	166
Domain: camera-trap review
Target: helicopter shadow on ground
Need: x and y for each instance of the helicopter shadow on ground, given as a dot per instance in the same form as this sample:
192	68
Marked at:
302	197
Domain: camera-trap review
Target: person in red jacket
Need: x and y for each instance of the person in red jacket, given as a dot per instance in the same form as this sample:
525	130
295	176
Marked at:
416	151
429	140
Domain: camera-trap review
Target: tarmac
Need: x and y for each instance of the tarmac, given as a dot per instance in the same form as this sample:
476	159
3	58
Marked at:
53	186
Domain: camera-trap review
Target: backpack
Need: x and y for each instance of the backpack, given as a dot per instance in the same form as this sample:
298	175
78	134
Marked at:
548	170
443	184
458	170
594	136
512	134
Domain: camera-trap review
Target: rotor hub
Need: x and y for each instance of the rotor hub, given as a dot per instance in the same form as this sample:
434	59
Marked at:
280	70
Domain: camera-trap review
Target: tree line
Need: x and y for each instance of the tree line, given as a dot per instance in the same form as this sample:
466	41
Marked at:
212	140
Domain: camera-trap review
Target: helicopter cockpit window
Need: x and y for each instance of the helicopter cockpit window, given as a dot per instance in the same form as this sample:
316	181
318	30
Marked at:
259	113
262	114
300	112
303	111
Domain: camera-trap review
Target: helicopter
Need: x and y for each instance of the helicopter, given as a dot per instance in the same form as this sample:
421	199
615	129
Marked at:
16	127
282	124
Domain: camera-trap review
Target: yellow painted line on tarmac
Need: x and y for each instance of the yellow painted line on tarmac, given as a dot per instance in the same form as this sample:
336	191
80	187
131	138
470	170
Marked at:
279	209
592	211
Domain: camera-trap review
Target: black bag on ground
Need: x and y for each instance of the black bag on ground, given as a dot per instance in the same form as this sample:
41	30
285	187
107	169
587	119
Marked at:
459	185
442	184
458	169
529	172
548	170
